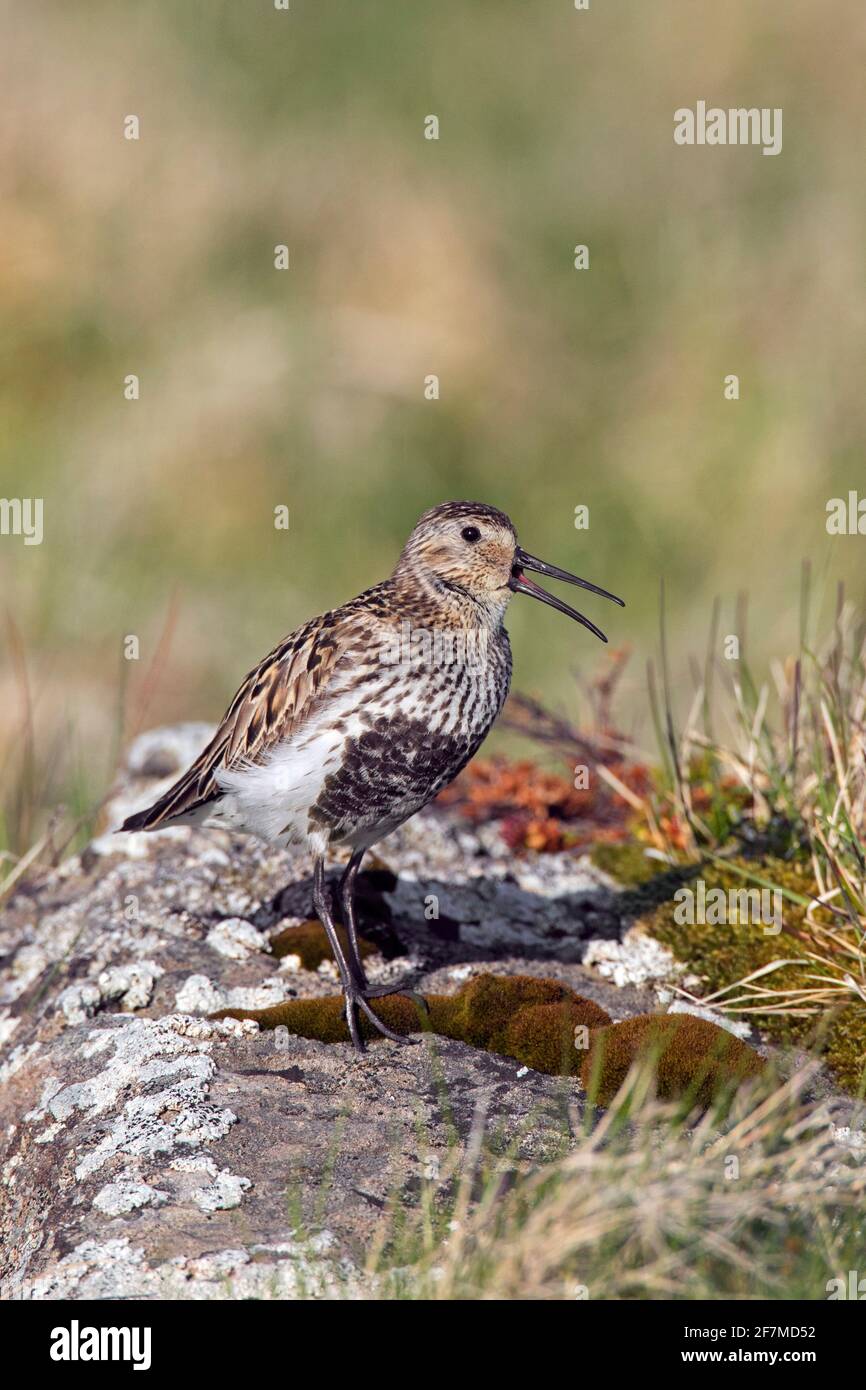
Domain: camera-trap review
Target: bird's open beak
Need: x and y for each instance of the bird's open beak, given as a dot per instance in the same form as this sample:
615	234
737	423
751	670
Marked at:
521	585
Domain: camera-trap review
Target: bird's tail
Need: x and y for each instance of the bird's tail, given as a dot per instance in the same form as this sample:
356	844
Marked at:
148	819
172	808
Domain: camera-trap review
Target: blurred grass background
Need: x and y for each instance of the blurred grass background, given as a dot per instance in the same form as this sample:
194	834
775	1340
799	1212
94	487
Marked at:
409	257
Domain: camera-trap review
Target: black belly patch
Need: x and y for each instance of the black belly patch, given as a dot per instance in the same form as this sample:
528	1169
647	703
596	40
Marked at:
391	770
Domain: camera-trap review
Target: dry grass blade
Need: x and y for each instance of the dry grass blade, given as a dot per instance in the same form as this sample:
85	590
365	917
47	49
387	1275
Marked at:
641	1205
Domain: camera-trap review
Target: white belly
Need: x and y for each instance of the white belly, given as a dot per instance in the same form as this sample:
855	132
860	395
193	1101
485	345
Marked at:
272	799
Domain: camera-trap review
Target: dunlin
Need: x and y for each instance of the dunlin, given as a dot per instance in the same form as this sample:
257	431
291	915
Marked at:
357	719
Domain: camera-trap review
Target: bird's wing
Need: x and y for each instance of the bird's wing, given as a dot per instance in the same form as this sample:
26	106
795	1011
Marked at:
274	702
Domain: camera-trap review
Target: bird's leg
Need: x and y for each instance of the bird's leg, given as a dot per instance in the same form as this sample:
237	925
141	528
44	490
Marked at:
353	990
347	904
323	912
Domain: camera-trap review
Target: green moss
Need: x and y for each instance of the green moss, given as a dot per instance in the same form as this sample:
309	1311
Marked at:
324	1021
310	943
692	1058
845	1047
724	952
542	1036
534	1022
485	1008
627	863
518	1016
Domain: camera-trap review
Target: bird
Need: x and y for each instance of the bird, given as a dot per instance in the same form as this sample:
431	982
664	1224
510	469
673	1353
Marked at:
360	717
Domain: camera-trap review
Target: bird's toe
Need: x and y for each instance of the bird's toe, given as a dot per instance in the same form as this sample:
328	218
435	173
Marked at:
377	1023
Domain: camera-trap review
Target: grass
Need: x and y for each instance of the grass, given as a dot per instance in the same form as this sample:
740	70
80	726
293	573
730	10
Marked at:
771	790
760	1203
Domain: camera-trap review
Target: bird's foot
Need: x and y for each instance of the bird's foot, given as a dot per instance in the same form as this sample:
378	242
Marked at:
382	992
357	998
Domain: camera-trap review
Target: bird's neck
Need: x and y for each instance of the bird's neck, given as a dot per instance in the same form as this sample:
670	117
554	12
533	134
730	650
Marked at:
430	599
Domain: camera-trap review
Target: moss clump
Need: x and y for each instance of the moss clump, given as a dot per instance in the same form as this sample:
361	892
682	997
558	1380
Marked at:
845	1047
543	1036
518	1016
534	1022
309	943
484	1011
627	863
324	1020
692	1058
724	952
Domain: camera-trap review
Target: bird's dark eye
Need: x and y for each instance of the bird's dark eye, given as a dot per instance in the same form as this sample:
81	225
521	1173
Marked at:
471	534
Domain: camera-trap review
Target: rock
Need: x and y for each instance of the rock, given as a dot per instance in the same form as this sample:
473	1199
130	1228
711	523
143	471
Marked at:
739	1029
635	960
125	1195
236	939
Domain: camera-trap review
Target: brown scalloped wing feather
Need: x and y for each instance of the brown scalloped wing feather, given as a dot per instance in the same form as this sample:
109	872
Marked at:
274	701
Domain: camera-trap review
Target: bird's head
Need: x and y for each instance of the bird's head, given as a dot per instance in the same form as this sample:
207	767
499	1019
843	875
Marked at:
470	551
